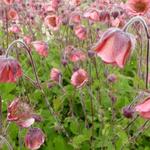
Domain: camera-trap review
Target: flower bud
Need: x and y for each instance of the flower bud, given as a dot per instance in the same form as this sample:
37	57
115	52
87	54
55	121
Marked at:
128	112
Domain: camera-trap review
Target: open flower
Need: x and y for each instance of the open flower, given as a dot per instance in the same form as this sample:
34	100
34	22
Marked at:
34	138
12	14
8	2
79	78
41	47
53	22
21	113
144	108
10	69
138	7
55	74
115	46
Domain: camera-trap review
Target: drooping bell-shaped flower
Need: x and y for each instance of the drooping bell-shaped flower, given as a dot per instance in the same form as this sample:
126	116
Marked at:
80	32
21	113
115	46
79	78
34	138
10	69
55	74
144	108
41	47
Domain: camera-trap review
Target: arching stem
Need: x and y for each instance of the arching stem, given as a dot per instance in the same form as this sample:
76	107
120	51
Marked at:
144	24
37	80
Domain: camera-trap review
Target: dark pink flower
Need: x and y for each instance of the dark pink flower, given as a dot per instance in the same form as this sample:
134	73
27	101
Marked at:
128	112
20	113
79	78
115	46
34	138
8	2
55	74
112	78
53	22
144	108
10	69
138	7
80	32
41	47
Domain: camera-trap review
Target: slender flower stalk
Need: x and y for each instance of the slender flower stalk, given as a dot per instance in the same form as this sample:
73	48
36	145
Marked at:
145	26
37	80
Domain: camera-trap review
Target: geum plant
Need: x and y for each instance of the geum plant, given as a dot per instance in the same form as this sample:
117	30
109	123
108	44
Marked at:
82	102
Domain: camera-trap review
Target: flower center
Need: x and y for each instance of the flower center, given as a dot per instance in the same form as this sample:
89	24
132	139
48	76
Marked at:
140	6
52	21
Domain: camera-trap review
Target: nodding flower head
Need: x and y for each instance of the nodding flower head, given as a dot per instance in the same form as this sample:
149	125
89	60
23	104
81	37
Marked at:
80	32
21	113
41	47
34	138
55	74
10	69
115	46
144	108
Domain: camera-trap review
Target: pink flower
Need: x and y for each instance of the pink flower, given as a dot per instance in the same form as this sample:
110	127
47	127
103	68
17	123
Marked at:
10	69
53	22
34	138
79	78
12	14
138	7
104	16
14	29
55	74
55	4
144	108
115	46
20	113
41	47
92	15
77	55
8	2
75	2
80	32
75	18
27	39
